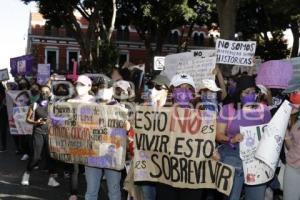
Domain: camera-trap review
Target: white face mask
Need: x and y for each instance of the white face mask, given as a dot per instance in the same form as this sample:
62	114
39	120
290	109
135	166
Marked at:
105	94
82	90
158	97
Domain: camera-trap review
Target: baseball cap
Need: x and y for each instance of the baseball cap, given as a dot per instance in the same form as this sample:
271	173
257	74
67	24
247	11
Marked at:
161	80
210	84
85	80
124	85
293	86
182	78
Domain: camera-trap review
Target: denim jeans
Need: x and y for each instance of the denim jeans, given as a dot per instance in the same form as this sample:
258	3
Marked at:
93	178
231	157
149	192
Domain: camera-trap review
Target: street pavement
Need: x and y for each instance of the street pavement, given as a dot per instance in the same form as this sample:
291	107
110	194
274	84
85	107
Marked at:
11	171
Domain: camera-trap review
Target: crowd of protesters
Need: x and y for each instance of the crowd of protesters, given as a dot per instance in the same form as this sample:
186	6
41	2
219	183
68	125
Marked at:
234	95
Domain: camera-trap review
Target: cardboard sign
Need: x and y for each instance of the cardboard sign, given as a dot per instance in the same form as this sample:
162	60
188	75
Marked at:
22	65
4	75
204	53
275	74
270	145
88	134
255	171
174	146
17	102
159	63
43	74
197	67
235	52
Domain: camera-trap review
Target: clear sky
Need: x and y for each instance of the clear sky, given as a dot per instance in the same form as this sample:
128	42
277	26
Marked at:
14	22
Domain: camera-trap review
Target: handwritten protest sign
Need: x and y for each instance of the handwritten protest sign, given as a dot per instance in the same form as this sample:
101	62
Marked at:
174	146
88	134
22	65
235	52
199	68
4	75
17	102
204	53
270	145
255	171
43	74
275	74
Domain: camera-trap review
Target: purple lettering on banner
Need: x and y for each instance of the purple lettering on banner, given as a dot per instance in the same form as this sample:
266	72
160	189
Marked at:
58	121
118	132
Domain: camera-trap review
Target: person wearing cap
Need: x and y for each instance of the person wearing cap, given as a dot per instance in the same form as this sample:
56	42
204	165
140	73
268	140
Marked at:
245	111
105	89
159	91
182	87
83	87
208	95
291	180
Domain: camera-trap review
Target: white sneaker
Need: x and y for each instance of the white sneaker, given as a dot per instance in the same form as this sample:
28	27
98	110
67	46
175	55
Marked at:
25	179
24	157
52	182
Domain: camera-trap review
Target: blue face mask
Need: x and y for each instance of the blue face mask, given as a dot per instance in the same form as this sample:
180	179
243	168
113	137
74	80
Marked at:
209	101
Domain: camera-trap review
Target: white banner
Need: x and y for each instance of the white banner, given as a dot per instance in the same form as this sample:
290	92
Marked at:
270	145
204	53
255	171
199	68
235	52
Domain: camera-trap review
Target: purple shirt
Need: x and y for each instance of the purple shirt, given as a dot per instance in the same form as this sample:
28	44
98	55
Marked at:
243	117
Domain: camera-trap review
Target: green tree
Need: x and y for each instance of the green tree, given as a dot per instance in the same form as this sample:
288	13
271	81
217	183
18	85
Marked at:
101	16
154	19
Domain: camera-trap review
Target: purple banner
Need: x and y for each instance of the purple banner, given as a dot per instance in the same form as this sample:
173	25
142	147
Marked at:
22	65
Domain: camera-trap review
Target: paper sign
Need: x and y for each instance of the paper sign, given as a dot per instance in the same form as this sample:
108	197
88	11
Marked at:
275	74
174	146
159	63
197	67
4	75
255	171
19	116
43	74
88	134
235	52
204	53
22	65
17	102
270	145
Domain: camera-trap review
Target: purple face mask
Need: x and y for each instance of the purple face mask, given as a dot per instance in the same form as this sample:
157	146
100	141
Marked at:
182	96
249	98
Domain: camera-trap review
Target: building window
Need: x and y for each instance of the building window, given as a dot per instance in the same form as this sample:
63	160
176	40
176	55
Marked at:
123	57
198	39
72	54
51	57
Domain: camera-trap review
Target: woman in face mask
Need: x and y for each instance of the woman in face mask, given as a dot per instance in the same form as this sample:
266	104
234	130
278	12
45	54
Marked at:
183	89
208	95
159	91
37	115
243	112
35	93
291	179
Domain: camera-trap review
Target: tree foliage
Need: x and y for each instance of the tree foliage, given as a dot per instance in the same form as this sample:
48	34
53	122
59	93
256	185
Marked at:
100	16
